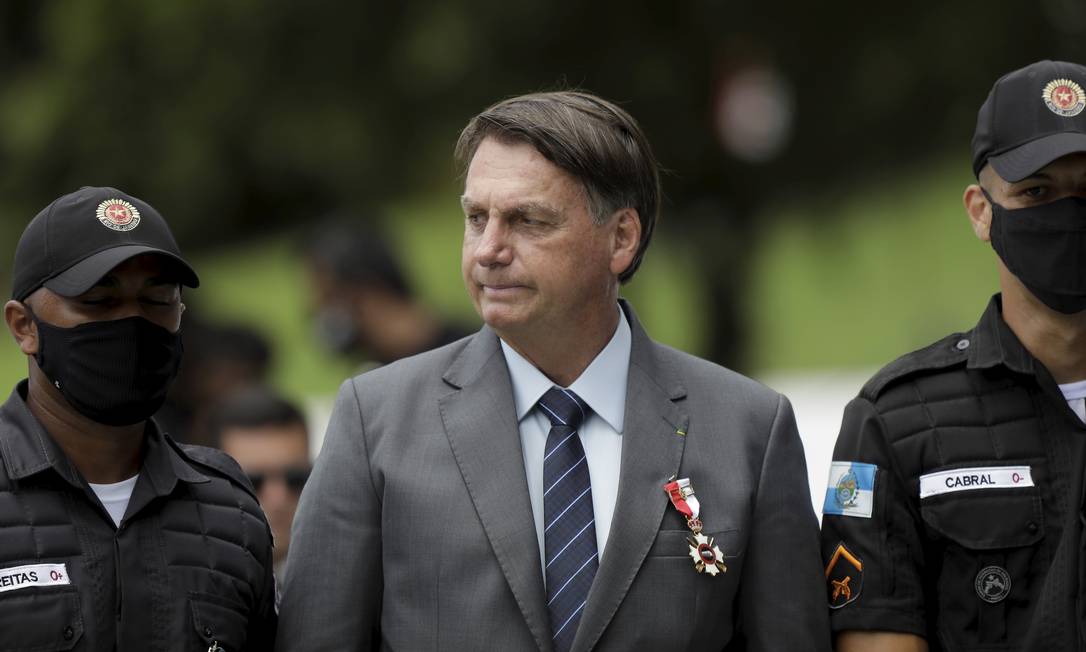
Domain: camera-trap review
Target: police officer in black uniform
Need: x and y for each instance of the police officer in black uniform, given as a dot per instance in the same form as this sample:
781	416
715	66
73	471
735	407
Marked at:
112	535
954	514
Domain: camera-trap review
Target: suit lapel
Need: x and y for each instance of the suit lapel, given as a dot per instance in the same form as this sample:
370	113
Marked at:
481	424
651	452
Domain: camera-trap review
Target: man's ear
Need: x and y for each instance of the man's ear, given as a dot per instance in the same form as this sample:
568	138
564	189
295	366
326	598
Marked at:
626	238
22	326
979	210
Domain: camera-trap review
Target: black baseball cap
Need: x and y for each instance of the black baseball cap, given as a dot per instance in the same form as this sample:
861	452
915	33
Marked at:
1032	117
74	241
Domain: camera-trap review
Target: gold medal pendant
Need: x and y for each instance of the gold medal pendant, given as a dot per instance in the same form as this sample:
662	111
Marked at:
706	555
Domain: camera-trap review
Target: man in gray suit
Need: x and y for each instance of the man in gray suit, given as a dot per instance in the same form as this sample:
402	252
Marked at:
557	481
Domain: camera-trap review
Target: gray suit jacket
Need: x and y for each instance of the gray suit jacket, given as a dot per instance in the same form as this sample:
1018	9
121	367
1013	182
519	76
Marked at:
415	531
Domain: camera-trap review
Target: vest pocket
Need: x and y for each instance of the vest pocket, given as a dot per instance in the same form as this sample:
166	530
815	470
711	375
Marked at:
36	620
987	519
674	544
983	546
218	620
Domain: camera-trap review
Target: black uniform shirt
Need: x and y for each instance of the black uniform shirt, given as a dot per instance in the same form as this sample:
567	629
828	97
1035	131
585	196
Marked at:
988	557
189	566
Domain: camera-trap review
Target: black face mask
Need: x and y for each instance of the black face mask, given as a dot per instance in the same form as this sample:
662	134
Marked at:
113	372
1045	247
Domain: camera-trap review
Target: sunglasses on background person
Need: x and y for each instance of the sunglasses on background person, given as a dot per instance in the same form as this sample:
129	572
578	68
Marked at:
293	476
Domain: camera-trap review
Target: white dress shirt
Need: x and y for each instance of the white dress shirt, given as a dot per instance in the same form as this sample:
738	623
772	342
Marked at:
602	386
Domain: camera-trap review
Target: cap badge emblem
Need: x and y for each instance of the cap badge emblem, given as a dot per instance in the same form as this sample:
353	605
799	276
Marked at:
118	215
1064	97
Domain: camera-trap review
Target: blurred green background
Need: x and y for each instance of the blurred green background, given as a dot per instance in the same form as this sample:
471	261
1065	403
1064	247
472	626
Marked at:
815	153
897	268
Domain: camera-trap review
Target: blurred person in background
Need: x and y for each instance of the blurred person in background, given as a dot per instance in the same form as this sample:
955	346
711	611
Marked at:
115	536
221	360
362	301
267	436
954	514
533	486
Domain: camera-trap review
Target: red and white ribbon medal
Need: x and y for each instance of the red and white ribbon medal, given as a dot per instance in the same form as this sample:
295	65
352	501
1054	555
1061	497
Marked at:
703	550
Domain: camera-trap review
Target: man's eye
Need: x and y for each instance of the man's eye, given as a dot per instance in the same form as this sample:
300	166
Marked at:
1034	191
532	221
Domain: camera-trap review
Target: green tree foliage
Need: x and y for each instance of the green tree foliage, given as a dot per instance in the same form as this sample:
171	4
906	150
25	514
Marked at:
238	117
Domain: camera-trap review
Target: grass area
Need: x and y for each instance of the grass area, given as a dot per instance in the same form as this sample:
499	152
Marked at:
260	283
12	364
428	238
880	272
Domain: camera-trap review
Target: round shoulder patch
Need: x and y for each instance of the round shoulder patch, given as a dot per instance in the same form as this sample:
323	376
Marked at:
993	584
119	215
1064	97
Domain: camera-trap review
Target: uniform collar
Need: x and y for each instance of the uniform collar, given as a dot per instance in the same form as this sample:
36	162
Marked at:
602	385
28	449
994	343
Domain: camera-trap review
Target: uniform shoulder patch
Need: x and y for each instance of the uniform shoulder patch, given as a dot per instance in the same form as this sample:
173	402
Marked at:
851	489
947	352
844	577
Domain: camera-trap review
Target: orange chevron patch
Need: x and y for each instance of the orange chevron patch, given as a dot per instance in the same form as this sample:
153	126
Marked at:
844	577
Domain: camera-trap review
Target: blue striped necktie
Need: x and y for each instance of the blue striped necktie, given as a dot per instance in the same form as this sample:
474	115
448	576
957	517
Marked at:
570	526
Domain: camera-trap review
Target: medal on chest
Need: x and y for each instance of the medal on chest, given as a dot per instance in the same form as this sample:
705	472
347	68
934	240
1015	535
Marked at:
703	549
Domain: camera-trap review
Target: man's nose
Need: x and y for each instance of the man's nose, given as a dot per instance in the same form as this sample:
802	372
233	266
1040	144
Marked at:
493	246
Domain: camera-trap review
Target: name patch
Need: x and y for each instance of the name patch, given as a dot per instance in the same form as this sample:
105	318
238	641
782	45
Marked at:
980	477
851	490
22	577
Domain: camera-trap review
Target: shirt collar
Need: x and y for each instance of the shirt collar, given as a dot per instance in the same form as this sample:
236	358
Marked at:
602	385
